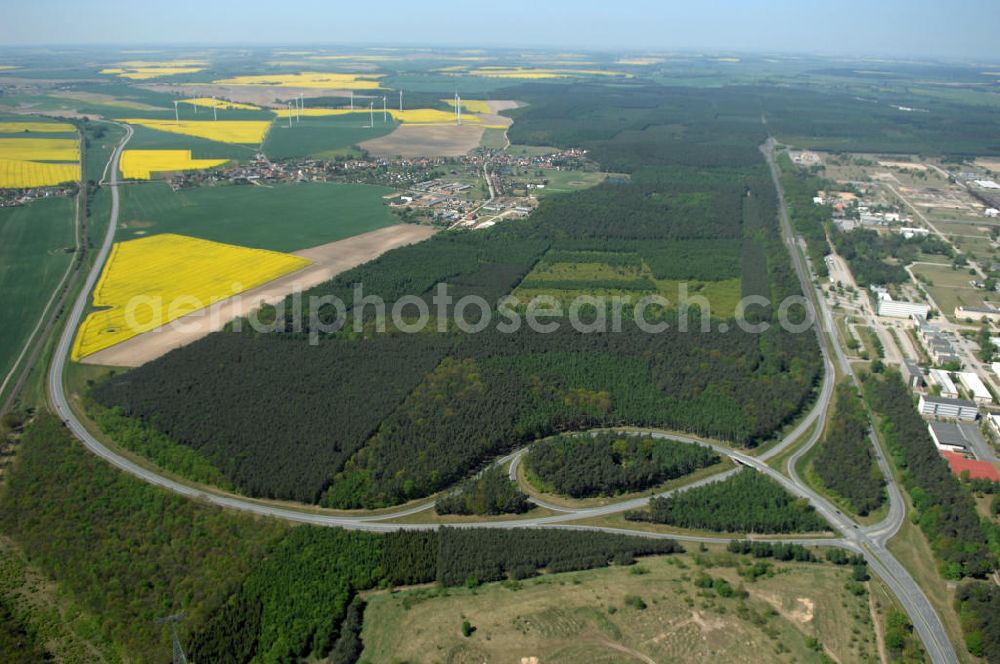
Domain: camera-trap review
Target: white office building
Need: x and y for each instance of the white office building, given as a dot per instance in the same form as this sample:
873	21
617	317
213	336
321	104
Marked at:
949	409
886	306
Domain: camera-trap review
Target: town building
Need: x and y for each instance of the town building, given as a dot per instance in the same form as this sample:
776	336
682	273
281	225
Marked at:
978	313
974	384
886	306
941	378
938	346
952	409
947	437
911	232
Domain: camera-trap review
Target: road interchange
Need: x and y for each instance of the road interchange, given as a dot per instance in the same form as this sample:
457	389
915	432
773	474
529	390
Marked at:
870	541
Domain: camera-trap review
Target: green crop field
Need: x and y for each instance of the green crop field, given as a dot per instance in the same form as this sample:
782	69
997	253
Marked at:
566	281
564	182
494	138
33	239
652	611
285	217
323	136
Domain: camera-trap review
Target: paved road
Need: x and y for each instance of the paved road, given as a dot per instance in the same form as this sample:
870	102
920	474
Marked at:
872	541
974	436
868	542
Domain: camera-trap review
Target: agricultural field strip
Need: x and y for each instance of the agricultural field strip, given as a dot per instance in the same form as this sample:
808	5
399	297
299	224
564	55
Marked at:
177	269
18	174
28	161
141	164
41	318
320	80
925	618
20	127
328	260
212	102
419	116
142	73
40	149
244	132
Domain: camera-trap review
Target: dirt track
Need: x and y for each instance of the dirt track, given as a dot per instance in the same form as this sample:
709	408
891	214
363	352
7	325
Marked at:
329	260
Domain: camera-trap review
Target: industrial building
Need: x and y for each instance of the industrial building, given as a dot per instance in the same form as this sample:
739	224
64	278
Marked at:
952	409
978	313
974	384
941	378
948	437
938	346
886	306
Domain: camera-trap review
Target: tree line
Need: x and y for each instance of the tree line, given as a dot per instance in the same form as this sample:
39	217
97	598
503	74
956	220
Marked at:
606	464
490	493
978	606
746	502
845	459
945	511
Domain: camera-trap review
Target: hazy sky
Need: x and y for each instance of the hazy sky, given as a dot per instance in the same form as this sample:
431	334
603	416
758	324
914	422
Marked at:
960	28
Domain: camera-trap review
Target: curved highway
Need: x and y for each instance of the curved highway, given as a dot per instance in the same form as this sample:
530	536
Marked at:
869	541
872	540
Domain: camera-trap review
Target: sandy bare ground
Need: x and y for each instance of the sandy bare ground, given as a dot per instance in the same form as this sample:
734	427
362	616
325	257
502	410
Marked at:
502	105
904	165
426	141
329	260
409	140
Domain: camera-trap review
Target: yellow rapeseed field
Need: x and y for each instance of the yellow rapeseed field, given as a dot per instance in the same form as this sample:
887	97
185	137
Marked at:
40	149
308	80
141	164
471	105
320	112
53	127
420	116
249	132
144	73
151	281
209	102
18	174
